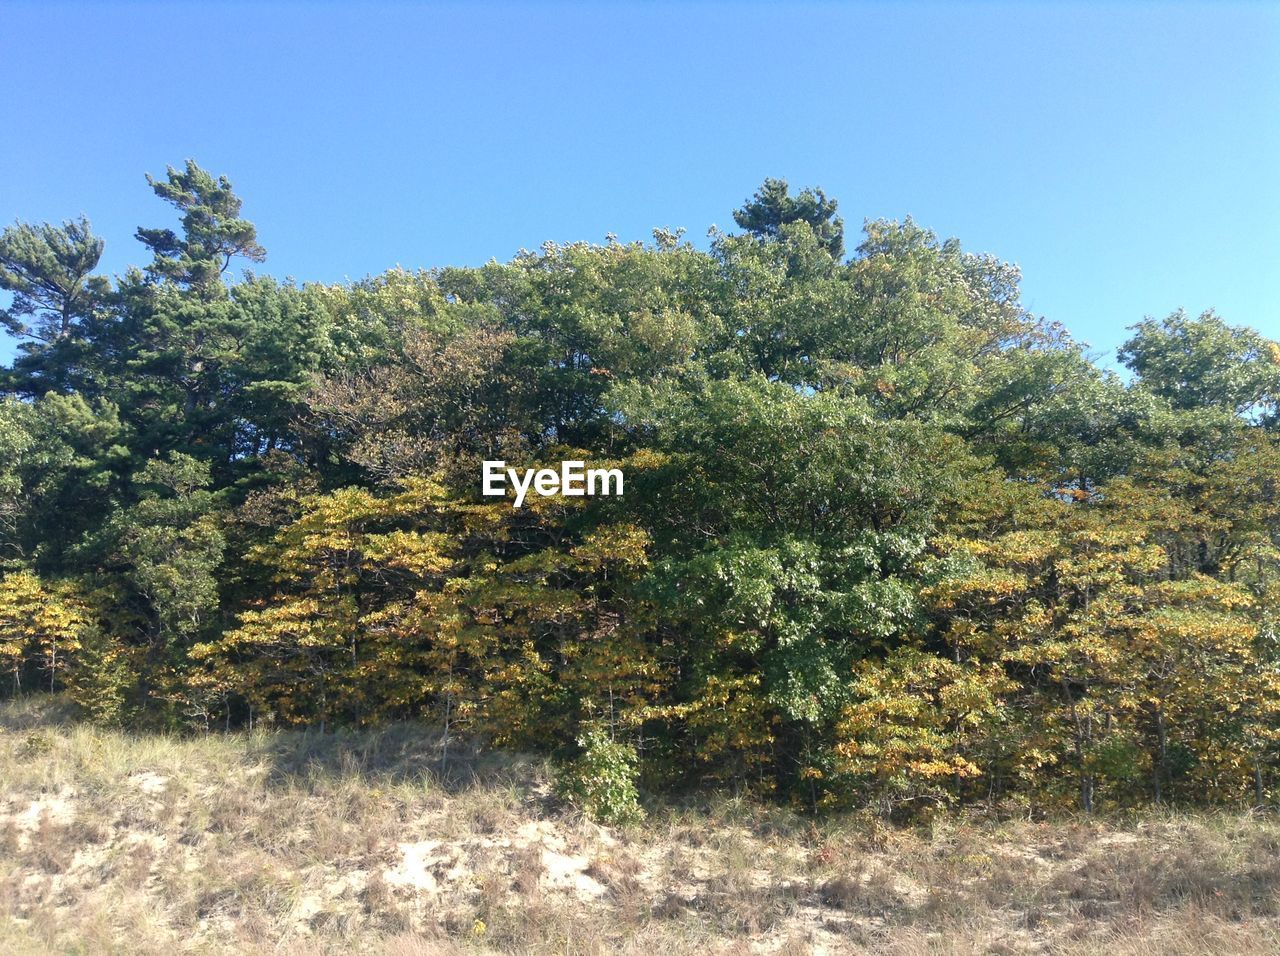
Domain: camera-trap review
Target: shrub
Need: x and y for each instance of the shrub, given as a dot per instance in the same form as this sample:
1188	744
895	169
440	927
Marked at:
602	780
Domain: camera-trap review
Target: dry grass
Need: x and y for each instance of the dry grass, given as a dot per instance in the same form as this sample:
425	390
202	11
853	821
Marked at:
298	843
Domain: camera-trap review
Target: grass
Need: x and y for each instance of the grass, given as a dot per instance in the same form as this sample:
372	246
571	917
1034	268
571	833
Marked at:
295	842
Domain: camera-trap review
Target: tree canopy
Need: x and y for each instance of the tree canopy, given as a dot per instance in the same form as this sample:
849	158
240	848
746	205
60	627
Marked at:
888	539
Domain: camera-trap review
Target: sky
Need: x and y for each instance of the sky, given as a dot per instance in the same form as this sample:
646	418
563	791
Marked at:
1125	155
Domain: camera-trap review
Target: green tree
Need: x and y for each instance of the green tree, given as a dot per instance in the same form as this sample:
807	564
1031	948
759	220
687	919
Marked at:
165	550
49	272
773	207
788	528
213	234
64	469
1204	363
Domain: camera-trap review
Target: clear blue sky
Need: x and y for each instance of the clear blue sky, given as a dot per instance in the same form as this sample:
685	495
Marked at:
1127	156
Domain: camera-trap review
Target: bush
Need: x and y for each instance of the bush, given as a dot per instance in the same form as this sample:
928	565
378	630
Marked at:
602	780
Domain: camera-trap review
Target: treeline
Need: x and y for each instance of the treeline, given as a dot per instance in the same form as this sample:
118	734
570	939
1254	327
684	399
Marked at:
887	538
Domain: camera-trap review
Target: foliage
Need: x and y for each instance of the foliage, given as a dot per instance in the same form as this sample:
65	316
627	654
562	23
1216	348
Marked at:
888	539
49	270
40	629
772	207
602	780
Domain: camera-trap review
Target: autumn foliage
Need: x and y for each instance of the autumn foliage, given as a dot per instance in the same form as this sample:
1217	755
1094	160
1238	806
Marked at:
887	539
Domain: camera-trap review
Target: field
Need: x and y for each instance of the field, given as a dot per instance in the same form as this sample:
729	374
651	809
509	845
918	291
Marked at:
291	842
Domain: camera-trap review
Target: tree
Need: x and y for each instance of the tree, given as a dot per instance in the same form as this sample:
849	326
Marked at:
788	528
916	726
166	549
888	539
314	651
1204	363
1138	677
773	207
65	470
200	368
212	231
49	271
40	627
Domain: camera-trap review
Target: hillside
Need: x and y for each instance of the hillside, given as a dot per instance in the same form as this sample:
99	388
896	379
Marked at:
294	842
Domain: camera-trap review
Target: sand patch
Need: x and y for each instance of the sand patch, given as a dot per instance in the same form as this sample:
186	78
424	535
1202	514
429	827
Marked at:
149	782
417	864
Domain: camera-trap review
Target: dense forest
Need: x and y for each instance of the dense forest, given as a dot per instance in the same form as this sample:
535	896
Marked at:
888	540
